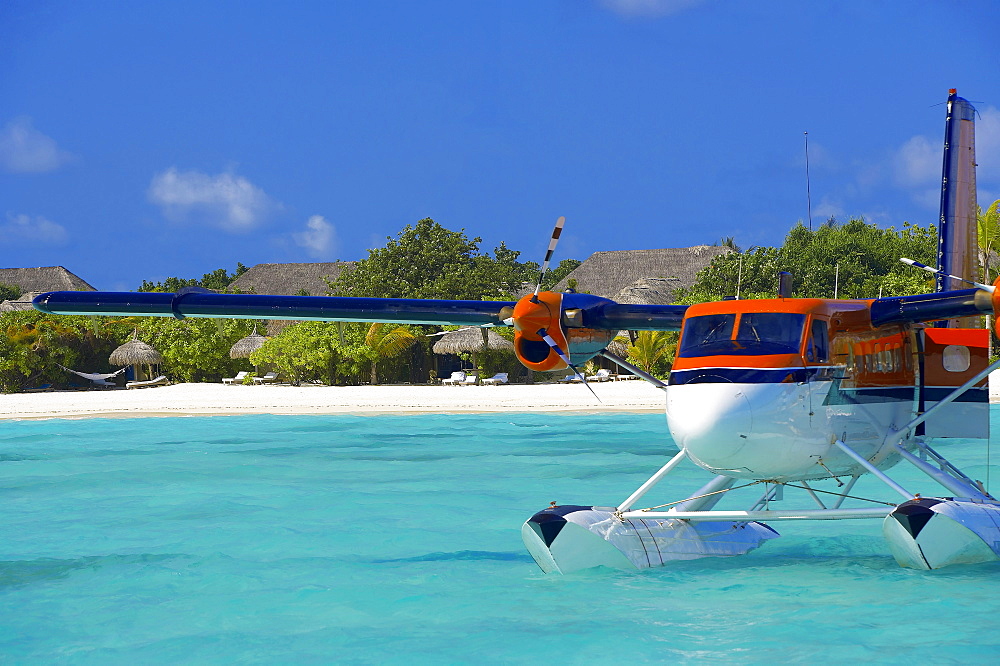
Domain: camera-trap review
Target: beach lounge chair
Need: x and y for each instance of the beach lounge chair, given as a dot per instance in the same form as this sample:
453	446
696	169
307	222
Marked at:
159	381
455	379
238	379
470	380
499	378
603	375
568	379
269	378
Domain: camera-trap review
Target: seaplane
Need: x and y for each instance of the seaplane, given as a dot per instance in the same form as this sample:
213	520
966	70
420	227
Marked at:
783	393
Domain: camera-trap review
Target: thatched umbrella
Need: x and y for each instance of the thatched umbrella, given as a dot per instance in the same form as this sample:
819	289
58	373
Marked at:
248	345
472	340
136	352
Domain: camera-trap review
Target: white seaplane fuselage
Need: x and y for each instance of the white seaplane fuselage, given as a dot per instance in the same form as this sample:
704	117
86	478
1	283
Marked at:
779	431
763	389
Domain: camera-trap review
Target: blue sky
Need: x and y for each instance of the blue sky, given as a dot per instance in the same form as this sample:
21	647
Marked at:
140	140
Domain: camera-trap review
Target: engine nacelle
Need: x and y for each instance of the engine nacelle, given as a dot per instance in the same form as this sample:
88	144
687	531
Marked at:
546	314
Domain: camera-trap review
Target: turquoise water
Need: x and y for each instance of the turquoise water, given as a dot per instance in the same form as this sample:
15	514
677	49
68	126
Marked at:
396	539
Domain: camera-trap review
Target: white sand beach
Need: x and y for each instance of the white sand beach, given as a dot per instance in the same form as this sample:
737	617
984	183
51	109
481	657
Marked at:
209	399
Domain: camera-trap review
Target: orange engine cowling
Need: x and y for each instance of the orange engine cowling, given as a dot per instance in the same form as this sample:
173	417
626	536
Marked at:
534	316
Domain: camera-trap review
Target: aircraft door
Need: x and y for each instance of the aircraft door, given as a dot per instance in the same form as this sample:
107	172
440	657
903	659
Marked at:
817	351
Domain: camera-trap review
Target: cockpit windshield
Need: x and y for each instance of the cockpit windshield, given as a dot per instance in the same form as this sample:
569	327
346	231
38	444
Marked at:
758	333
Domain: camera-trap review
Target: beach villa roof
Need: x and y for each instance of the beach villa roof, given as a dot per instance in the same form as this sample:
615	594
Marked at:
45	278
290	279
35	281
647	276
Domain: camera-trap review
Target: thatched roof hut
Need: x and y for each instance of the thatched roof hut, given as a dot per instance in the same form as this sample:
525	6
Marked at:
607	274
471	340
248	345
290	279
45	278
648	291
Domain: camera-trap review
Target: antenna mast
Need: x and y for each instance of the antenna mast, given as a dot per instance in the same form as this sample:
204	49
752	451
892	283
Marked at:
809	205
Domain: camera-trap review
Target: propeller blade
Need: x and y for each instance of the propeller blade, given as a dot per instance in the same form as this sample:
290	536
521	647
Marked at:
935	271
548	254
555	347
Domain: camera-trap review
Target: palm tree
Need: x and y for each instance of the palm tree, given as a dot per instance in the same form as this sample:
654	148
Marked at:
651	347
386	343
989	237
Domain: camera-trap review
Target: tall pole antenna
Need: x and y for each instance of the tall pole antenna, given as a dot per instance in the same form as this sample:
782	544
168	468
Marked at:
809	205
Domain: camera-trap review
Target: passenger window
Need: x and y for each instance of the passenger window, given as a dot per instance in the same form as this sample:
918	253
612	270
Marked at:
956	358
818	350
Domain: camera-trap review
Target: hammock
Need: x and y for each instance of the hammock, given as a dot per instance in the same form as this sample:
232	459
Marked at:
93	376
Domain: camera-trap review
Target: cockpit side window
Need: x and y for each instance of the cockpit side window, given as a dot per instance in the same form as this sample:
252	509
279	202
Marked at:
707	335
818	349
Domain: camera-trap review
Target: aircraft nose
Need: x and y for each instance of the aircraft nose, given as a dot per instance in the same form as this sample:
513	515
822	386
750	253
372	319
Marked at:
711	421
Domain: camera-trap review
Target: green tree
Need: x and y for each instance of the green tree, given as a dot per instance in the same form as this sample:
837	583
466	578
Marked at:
989	238
386	342
219	280
331	352
427	260
554	277
653	351
195	349
33	345
853	260
9	292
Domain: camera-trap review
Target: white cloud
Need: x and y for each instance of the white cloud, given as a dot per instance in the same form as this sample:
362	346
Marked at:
827	208
25	229
649	8
23	149
988	146
917	163
319	239
226	200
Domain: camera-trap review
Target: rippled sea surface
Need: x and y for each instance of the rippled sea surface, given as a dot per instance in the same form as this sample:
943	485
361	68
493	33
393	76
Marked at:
396	539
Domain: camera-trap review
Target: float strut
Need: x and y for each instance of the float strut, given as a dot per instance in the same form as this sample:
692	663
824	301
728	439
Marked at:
653	480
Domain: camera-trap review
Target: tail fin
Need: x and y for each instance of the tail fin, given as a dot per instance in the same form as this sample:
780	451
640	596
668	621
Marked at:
958	242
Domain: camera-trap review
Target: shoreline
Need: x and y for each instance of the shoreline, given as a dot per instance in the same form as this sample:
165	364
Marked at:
208	399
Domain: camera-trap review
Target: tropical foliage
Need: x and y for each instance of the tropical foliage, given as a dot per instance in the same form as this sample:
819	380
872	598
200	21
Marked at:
386	342
33	345
852	260
9	292
653	351
989	239
427	260
333	352
219	280
196	349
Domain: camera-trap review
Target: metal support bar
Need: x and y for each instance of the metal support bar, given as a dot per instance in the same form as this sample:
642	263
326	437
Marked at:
846	491
771	494
653	480
813	495
874	470
631	368
707	496
749	516
943	462
955	485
